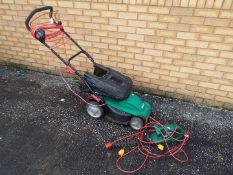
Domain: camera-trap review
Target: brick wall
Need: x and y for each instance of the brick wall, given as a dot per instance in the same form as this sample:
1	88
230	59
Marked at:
177	48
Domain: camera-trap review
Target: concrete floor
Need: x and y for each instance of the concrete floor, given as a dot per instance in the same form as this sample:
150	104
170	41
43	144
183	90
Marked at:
40	134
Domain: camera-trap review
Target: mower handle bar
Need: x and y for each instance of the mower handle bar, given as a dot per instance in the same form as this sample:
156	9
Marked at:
37	10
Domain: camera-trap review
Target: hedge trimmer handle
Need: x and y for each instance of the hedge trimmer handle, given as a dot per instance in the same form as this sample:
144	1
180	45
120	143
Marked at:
36	11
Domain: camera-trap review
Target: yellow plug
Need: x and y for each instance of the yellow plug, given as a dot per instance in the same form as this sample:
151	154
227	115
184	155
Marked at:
121	152
161	147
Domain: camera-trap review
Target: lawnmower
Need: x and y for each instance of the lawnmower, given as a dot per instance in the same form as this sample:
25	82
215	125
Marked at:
110	91
109	94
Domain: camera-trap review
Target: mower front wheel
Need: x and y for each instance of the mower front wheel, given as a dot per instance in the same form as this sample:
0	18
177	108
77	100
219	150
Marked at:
136	123
94	109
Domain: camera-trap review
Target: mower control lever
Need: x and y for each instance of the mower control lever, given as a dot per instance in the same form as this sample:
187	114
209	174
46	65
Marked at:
29	17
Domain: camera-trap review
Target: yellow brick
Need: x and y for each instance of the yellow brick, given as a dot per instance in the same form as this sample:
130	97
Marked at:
143	57
189	82
163	60
8	1
145	45
132	61
151	75
142	68
209	3
159	10
166	33
168	78
65	4
21	2
92	38
116	35
217	22
184	3
228	76
208	52
127	15
224	99
108	27
125	42
193	3
109	63
118	7
226	14
151	64
190	70
100	45
82	5
174	41
126	29
204	66
110	14
100	20
192	20
187	35
220	81
212	73
169	67
206	12
124	65
126	54
116	47
178	27
167	18
136	23
145	31
74	11
116	59
209	85
215	38
202	29
199	44
229	39
216	92
92	26
218	4
91	12
135	37
214	60
181	11
137	8
153	52
133	72
221	46
224	31
227	4
226	88
109	40
166	47
147	17
173	55
226	54
178	74
185	49
113	21
134	49
99	6
158	25
183	63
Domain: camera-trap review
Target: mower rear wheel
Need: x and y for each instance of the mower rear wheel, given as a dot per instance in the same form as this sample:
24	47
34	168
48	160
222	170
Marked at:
94	110
136	123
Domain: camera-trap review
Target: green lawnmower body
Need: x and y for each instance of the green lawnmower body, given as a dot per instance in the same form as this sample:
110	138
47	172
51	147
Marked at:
133	105
162	133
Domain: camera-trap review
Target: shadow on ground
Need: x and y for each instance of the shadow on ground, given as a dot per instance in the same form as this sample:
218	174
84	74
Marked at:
40	134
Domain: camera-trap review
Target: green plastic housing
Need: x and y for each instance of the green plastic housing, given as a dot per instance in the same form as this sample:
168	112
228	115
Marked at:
133	105
162	133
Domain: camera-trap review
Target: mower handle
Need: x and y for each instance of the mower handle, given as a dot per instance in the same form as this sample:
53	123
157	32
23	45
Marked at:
36	11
